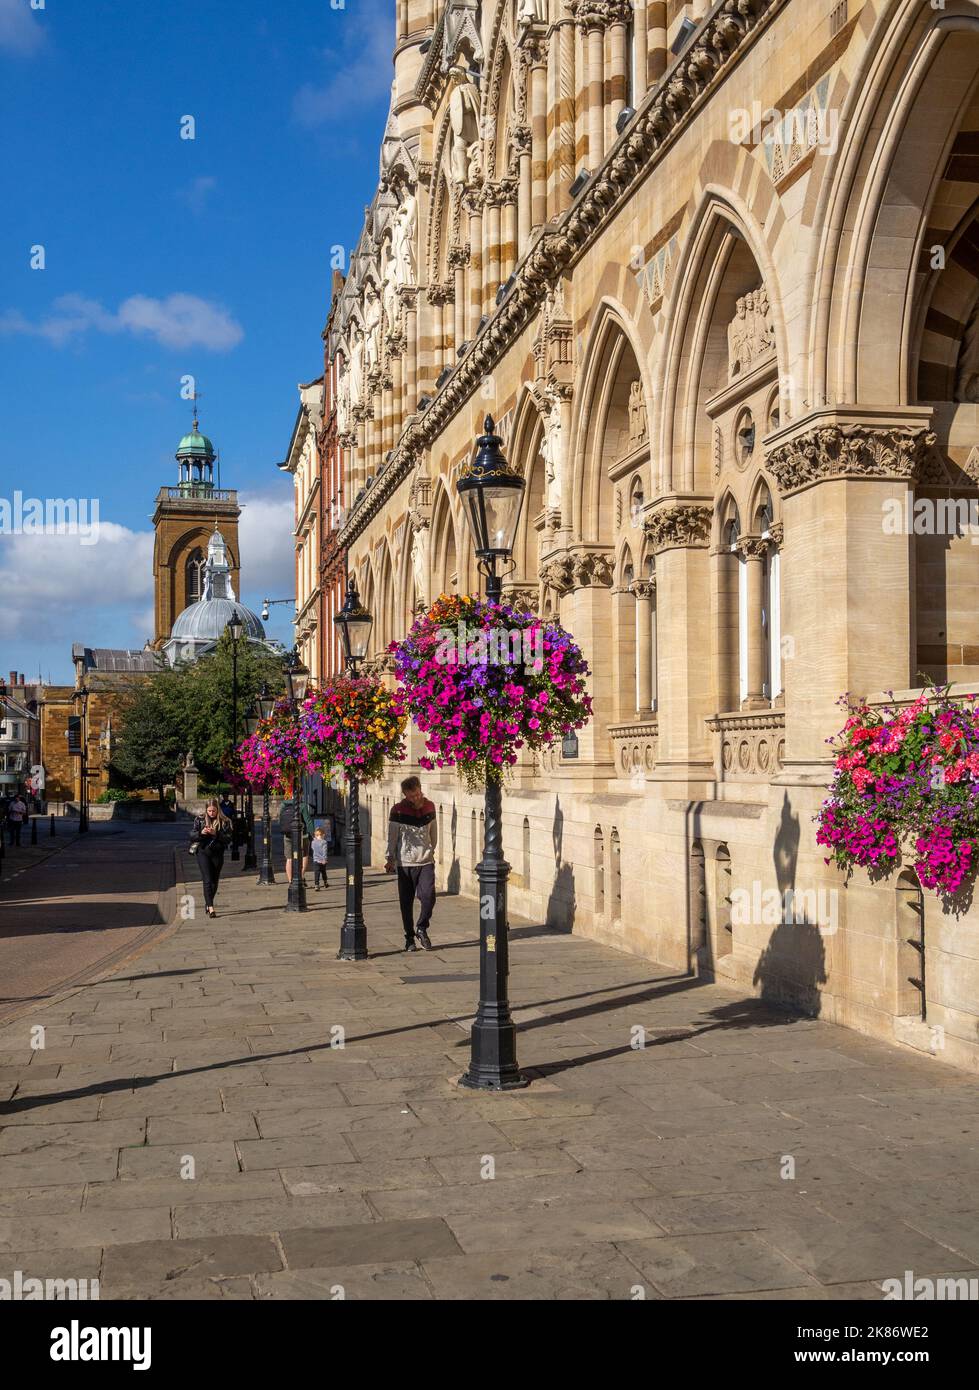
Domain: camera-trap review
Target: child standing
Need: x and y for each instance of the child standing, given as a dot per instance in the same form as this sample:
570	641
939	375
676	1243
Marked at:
320	852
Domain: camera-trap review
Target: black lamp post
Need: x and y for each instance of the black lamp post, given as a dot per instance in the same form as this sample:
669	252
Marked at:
234	629
81	694
492	493
297	681
262	709
354	624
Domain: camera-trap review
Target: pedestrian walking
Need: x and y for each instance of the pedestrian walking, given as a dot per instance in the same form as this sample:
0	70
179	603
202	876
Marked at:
211	837
16	815
412	838
287	818
321	852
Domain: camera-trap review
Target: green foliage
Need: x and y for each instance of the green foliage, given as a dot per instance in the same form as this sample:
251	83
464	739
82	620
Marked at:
113	794
189	709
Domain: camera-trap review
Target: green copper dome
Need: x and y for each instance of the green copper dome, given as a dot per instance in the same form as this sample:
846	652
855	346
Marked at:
195	445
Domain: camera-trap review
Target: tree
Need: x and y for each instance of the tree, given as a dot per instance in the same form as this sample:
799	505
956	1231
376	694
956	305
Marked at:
189	709
152	746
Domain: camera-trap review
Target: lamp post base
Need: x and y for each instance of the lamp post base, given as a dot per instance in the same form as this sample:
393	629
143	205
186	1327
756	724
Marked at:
353	941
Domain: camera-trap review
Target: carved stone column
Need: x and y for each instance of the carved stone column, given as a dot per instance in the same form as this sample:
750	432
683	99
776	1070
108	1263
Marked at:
522	142
458	257
620	14
590	619
537	58
847	585
644	590
679	531
493	200
563	156
655	53
411	353
508	248
753	550
476	264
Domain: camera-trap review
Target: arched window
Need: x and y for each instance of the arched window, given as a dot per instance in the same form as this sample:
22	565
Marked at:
526	852
698	906
194	575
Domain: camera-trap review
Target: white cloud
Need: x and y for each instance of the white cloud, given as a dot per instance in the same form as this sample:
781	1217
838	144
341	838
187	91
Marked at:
20	30
63	589
180	320
197	194
268	557
358	66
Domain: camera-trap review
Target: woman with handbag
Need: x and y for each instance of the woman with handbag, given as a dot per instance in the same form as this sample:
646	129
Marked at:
211	837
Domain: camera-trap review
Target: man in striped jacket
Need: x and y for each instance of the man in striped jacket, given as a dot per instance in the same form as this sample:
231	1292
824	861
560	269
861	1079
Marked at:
412	837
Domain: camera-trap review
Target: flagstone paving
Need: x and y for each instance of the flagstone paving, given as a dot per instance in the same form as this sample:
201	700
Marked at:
237	1114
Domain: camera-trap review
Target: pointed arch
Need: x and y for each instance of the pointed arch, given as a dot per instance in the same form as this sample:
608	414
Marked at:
612	360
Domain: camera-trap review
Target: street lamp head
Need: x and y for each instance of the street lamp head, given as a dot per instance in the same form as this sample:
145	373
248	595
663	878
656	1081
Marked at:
297	677
265	702
251	718
492	494
235	628
354	623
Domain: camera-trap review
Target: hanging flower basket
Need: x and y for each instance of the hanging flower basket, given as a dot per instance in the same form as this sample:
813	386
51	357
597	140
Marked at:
273	755
907	784
483	680
356	726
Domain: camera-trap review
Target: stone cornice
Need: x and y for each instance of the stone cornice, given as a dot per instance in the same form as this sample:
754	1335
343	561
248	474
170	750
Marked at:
664	112
855	444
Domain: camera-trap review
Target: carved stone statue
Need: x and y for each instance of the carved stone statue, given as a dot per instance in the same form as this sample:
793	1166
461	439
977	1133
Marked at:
356	365
343	399
531	12
372	336
552	448
637	415
419	564
463	122
751	333
403	241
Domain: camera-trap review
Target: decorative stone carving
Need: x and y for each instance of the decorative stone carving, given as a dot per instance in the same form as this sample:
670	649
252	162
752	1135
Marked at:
592	569
751	334
752	547
679	526
463	123
558	574
749	747
637	415
850	451
644	588
372	330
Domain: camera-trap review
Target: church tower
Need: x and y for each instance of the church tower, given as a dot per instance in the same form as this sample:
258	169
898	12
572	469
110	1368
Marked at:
184	521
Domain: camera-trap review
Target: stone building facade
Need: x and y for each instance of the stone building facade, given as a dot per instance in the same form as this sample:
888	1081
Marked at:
715	271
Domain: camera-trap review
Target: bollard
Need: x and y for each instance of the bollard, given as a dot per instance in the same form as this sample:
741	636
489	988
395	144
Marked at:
52	825
33	830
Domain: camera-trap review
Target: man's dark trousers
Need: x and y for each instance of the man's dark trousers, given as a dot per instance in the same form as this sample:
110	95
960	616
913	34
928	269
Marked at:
416	881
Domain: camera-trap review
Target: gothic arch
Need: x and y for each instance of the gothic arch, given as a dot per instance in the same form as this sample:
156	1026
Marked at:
524	452
445	552
909	98
725	254
611	361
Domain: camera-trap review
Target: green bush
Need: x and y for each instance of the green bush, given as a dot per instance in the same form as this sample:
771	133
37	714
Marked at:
113	794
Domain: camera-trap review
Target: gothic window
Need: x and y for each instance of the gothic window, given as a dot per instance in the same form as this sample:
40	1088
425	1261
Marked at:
194	571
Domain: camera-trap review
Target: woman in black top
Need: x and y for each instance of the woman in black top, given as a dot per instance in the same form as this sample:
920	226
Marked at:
211	837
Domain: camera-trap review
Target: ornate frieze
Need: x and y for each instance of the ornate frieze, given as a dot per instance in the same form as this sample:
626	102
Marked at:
749	747
592	569
850	451
681	525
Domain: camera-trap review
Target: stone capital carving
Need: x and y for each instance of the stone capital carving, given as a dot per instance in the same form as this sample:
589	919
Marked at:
644	588
777	533
752	547
558	574
592	569
681	525
600	14
458	257
850	451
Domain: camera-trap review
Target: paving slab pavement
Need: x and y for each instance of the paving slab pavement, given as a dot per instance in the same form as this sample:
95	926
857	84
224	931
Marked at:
235	1114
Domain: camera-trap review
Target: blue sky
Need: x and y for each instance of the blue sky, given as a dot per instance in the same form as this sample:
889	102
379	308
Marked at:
167	257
